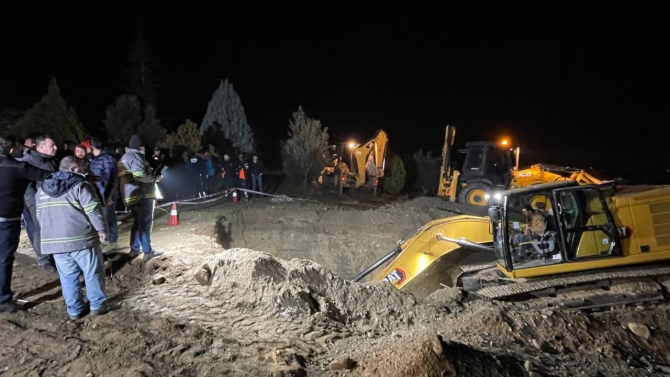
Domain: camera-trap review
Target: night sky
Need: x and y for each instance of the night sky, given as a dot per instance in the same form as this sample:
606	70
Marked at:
572	84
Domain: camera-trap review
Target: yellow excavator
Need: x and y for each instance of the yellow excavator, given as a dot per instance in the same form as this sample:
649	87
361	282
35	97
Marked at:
600	245
492	166
357	165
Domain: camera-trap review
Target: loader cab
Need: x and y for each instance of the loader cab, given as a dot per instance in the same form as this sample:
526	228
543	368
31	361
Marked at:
578	226
486	162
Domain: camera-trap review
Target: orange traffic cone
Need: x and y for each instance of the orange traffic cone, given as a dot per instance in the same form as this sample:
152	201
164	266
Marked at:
234	196
174	216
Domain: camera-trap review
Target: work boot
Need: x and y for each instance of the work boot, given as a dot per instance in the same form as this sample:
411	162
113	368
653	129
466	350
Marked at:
134	253
80	315
104	309
110	247
153	254
10	307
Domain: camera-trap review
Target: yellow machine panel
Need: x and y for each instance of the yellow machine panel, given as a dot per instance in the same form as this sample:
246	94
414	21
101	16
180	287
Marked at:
423	252
589	231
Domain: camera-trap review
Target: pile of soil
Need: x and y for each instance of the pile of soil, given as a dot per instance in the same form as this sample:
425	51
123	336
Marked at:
429	355
242	283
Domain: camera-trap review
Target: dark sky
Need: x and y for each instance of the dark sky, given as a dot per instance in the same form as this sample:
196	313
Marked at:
584	85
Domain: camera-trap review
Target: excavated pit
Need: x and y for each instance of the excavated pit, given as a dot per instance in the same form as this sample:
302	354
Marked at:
342	239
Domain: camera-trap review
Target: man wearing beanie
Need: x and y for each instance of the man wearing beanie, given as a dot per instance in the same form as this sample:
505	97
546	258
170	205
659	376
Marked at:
138	189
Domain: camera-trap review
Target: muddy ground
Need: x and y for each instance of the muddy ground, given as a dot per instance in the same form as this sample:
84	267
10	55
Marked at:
261	288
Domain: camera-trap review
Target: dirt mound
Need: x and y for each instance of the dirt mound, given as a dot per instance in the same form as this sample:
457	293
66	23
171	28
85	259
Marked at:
430	356
245	283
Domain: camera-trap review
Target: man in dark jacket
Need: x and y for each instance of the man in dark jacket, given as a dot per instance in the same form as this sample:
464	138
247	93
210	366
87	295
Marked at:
256	169
14	179
198	168
103	167
73	228
42	157
228	173
138	189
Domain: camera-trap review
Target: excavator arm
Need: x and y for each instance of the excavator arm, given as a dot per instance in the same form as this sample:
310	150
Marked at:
370	157
445	187
543	173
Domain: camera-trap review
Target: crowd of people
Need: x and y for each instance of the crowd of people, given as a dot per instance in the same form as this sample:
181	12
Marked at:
66	200
234	174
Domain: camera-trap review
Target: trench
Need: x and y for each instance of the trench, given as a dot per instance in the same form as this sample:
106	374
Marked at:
344	240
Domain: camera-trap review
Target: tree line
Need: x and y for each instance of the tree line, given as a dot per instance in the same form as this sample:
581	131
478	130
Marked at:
224	127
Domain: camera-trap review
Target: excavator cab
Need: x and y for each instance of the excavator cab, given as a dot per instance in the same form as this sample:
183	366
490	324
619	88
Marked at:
487	167
577	226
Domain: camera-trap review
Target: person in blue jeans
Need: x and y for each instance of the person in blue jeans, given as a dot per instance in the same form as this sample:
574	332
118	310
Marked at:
138	188
257	169
103	167
73	226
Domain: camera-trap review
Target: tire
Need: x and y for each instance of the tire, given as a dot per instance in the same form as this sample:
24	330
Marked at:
474	194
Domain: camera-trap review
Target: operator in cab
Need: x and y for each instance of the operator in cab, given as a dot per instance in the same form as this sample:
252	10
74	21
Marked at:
535	226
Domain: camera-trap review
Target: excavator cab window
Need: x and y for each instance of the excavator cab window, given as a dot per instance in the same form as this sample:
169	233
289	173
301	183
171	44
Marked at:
587	226
528	237
474	160
488	163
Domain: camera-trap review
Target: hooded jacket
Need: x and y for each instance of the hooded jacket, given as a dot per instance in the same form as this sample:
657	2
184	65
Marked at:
42	161
69	213
104	168
14	179
136	179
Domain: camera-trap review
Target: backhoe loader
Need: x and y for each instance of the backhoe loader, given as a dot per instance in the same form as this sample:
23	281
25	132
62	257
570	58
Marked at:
601	245
490	167
357	165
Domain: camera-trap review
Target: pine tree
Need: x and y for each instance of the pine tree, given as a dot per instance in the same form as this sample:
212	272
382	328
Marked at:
50	116
225	110
304	153
141	71
395	182
151	129
123	118
8	118
428	171
185	141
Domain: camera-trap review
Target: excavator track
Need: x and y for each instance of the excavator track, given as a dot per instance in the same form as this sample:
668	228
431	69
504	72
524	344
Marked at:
476	267
517	289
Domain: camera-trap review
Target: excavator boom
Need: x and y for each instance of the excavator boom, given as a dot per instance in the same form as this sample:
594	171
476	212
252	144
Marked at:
366	163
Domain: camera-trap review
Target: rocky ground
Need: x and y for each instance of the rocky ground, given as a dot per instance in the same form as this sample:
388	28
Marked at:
261	288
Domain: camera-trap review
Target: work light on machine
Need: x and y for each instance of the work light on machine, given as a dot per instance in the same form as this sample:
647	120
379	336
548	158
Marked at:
352	145
496	196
